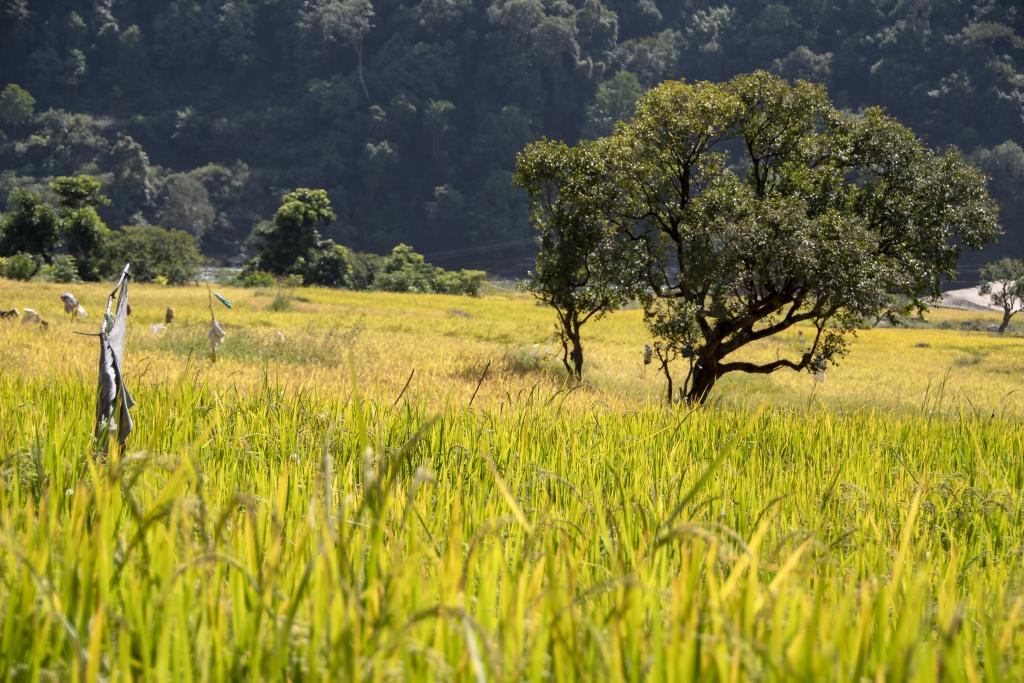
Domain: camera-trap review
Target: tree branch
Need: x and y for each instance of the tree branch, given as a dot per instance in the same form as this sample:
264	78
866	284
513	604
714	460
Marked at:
754	368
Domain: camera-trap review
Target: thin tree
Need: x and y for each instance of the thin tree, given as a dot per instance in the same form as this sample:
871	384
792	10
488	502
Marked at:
580	265
1003	281
345	21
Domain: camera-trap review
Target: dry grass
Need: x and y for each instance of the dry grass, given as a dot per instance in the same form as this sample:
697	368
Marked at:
447	340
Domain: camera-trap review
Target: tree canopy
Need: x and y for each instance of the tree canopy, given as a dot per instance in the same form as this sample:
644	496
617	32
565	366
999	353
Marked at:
29	225
582	271
289	242
154	252
757	205
64	230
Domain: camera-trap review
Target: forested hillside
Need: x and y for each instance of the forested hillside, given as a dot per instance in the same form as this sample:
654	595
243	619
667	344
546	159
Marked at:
198	114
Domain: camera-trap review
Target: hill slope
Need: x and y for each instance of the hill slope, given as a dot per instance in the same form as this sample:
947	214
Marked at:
410	112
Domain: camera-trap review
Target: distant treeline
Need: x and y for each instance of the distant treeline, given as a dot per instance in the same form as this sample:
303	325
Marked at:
198	114
59	236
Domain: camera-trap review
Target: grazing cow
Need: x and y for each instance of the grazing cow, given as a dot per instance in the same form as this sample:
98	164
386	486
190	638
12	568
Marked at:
9	315
168	316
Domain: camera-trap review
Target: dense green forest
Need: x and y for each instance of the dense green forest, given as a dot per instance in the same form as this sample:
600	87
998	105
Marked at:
199	114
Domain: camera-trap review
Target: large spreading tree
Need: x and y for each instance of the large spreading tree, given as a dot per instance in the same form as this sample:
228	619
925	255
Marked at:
756	206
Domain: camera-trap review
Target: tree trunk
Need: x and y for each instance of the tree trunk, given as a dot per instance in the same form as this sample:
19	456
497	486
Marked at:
703	380
668	382
576	353
1006	321
572	348
565	353
359	70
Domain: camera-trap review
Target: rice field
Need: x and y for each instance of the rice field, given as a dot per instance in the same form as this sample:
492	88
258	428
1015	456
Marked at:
342	497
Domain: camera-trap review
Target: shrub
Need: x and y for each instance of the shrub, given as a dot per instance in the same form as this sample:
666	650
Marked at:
330	266
406	271
20	266
365	268
154	251
467	282
250	277
64	268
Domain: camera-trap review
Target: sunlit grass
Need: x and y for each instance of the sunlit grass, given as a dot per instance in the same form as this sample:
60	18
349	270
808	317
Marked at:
447	340
283	514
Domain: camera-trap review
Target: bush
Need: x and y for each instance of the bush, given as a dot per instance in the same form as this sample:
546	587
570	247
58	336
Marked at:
330	266
20	266
250	277
365	268
63	269
154	251
467	282
403	270
406	271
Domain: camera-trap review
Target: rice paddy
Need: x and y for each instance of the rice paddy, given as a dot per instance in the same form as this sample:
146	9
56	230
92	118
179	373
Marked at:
342	497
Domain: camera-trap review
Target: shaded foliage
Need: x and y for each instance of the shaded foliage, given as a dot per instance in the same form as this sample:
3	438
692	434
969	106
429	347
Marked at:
403	270
409	112
154	253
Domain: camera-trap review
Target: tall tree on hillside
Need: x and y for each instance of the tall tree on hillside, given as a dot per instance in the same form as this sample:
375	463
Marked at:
16	109
1003	280
1004	164
186	205
828	216
344	21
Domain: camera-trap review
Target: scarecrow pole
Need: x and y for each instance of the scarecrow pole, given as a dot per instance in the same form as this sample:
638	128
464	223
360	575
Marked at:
213	325
113	400
216	334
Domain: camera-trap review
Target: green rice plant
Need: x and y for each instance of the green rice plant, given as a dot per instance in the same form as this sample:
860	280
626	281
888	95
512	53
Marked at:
265	533
356	499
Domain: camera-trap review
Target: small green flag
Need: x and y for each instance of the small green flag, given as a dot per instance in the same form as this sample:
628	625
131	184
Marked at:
223	300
